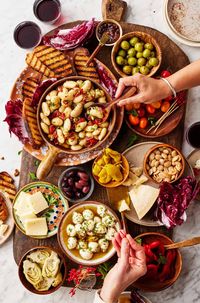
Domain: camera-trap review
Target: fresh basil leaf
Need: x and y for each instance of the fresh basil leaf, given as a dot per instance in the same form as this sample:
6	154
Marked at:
32	176
162	259
36	162
132	139
139	241
152	120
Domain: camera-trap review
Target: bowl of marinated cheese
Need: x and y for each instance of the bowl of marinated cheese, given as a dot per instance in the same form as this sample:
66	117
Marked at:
69	118
86	231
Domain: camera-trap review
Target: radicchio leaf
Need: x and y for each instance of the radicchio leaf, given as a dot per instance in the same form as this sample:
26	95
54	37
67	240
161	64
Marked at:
106	81
65	39
41	89
15	121
173	200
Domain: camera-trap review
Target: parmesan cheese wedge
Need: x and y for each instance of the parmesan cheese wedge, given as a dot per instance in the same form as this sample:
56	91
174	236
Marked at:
25	217
38	202
143	198
22	205
36	227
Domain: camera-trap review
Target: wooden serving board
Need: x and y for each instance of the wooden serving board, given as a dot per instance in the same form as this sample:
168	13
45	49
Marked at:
174	58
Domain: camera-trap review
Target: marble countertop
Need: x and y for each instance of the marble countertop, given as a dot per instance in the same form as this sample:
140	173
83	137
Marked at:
145	12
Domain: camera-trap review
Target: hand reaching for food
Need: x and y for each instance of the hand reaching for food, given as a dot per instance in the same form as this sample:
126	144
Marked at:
131	266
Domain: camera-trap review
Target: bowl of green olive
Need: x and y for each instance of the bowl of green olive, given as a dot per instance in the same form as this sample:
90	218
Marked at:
136	52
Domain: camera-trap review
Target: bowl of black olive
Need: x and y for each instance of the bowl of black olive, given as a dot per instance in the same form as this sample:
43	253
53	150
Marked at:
76	184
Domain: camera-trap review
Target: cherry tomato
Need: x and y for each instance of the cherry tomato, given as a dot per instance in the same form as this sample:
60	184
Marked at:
165	106
156	104
134	120
136	105
129	107
165	74
141	112
168	99
150	109
143	122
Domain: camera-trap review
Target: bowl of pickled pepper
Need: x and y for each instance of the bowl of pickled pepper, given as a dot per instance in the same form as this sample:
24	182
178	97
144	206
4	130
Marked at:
110	169
163	266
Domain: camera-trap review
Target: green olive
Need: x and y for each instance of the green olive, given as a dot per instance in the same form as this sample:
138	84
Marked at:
153	61
139	55
120	60
132	61
148	46
122	53
125	45
153	54
139	47
127	69
146	53
144	70
141	61
125	62
135	70
133	41
131	52
149	65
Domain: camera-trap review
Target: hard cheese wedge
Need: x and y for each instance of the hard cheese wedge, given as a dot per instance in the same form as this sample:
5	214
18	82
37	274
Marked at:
23	218
143	198
36	227
38	202
22	205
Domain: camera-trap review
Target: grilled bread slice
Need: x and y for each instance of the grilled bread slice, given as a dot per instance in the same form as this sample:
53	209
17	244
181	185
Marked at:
81	56
28	88
30	117
3	208
7	184
50	62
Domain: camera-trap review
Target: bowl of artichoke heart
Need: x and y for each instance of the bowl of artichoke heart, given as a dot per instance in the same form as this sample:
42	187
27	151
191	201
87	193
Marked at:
42	270
86	231
136	52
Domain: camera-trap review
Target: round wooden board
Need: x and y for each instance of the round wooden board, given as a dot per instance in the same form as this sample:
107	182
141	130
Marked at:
135	156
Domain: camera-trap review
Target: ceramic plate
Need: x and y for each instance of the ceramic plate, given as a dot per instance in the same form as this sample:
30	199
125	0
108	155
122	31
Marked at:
58	206
127	294
192	158
182	33
9	221
135	156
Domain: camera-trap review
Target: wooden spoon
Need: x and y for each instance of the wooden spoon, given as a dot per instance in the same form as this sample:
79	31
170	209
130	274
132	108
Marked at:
129	93
185	243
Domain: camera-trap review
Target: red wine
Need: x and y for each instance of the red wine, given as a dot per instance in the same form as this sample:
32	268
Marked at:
27	34
47	10
193	135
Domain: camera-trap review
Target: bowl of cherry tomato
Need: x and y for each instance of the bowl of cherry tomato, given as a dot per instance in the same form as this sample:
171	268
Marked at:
163	266
140	117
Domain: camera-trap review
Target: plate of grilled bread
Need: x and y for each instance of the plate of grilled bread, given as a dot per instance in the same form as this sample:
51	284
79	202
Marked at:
6	219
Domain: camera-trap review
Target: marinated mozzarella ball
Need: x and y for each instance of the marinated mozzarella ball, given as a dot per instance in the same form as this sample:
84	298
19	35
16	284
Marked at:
104	244
93	247
88	225
71	231
80	230
100	228
97	219
77	218
108	221
110	233
82	244
71	242
101	210
86	254
88	214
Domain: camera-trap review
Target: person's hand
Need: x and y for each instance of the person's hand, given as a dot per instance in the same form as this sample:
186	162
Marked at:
149	90
131	266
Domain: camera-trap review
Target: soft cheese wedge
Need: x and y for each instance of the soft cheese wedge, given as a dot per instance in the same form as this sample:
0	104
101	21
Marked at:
143	198
38	202
36	227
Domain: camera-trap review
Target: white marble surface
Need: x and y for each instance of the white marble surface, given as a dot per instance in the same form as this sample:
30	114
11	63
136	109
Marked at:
146	12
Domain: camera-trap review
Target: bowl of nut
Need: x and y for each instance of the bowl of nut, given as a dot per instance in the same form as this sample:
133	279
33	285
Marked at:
164	162
136	52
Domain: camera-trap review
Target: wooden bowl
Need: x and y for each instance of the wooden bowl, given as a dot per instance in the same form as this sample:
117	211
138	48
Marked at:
62	235
145	283
108	21
146	159
125	173
144	37
29	286
60	147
